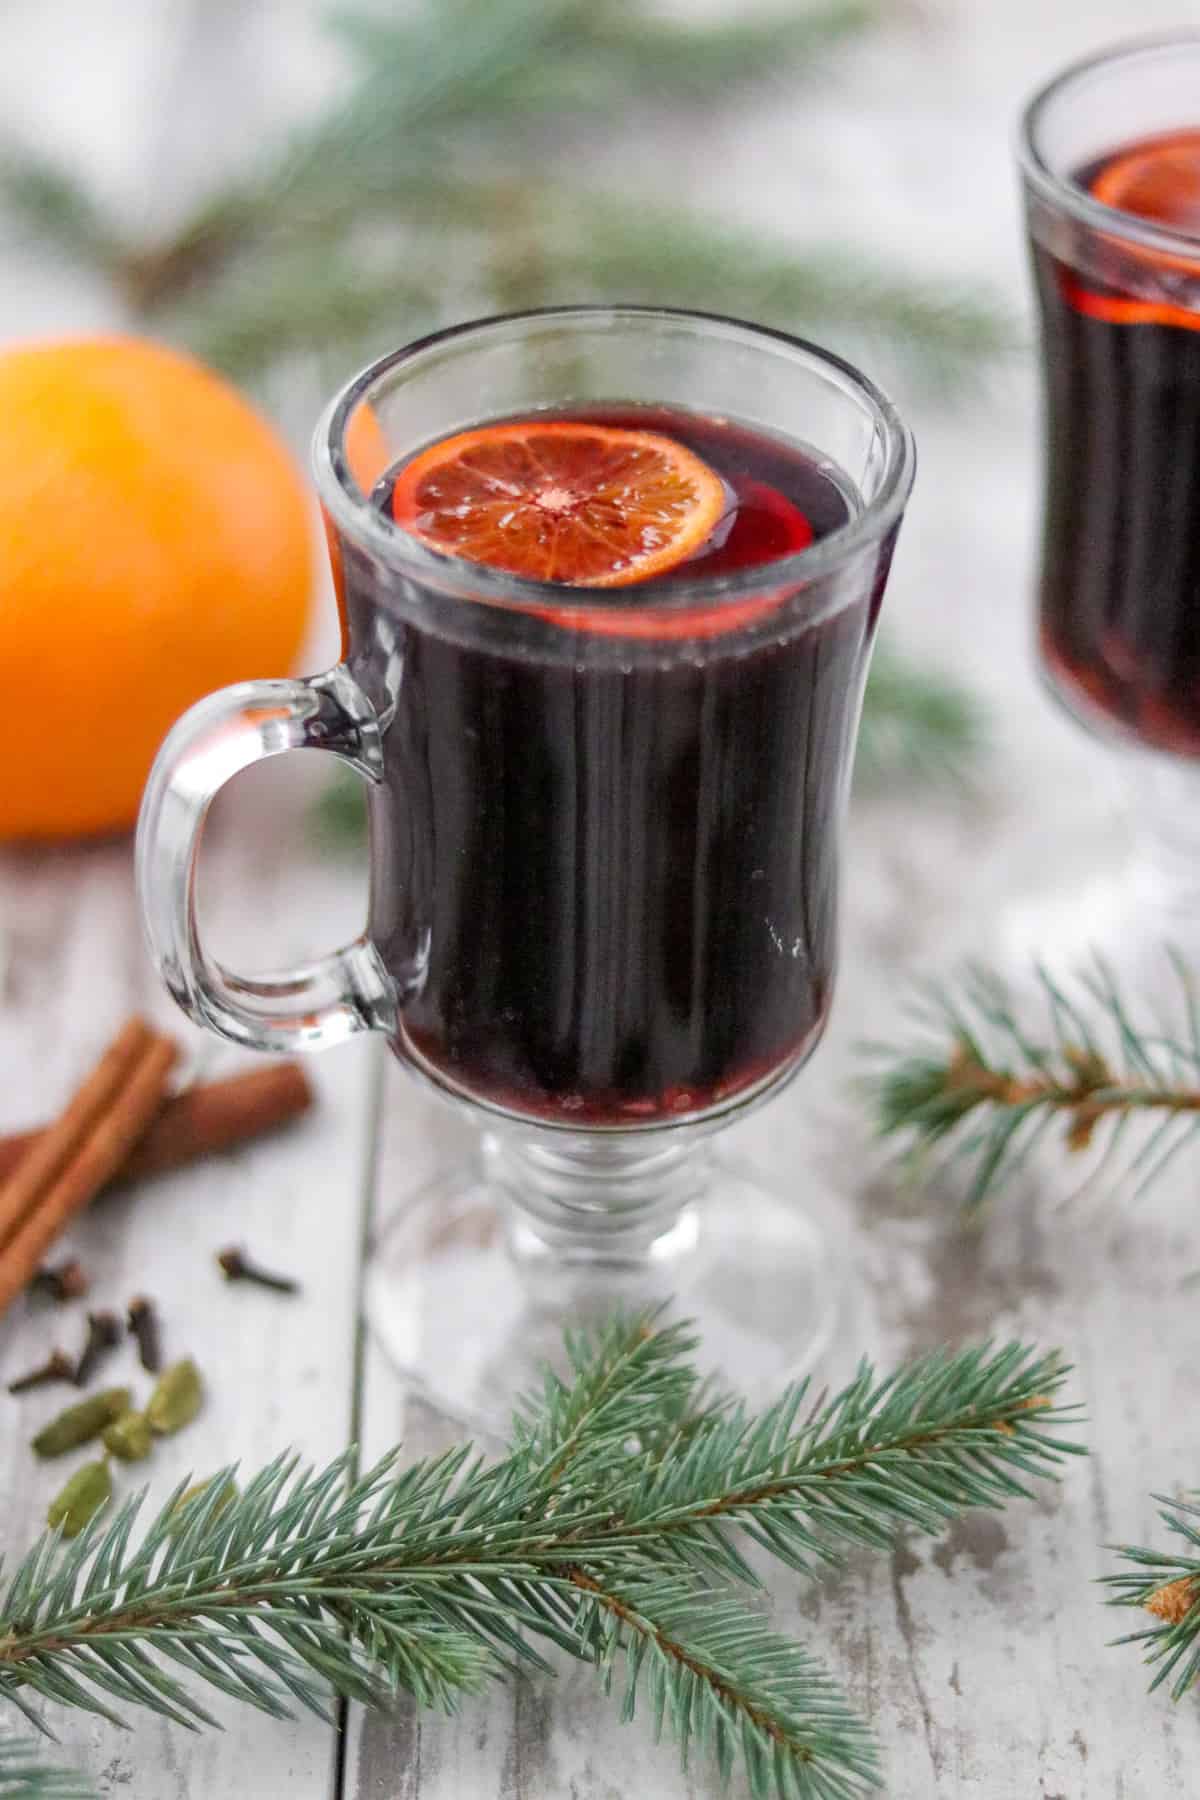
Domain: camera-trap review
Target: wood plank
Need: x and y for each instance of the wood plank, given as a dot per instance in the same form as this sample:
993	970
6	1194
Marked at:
279	1372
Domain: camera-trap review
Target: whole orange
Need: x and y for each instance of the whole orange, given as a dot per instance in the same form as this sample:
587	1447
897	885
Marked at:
155	543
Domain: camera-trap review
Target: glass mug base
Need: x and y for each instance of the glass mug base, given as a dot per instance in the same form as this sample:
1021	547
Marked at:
470	1287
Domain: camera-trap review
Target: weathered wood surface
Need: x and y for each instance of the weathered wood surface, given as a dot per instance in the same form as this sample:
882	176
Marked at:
981	1658
278	1372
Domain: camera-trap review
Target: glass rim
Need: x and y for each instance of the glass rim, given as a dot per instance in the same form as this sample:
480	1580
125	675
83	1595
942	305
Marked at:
352	511
1062	190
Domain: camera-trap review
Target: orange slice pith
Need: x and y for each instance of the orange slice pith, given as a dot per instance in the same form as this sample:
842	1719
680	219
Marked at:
586	505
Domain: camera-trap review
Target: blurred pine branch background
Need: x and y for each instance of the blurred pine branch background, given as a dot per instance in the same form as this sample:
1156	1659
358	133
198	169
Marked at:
450	177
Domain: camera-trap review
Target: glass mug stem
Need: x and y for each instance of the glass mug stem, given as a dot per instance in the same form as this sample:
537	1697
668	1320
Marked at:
307	1008
601	1207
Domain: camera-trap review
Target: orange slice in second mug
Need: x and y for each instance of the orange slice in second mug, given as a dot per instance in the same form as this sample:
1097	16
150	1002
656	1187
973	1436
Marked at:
1158	181
586	505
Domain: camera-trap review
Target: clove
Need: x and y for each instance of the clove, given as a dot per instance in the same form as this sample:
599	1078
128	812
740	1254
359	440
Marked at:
142	1321
236	1266
61	1281
58	1367
103	1335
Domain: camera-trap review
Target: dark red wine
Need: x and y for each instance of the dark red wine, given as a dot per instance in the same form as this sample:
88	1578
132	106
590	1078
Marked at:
608	874
1120	592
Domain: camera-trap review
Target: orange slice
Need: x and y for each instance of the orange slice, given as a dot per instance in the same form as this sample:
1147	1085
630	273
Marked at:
1159	181
587	505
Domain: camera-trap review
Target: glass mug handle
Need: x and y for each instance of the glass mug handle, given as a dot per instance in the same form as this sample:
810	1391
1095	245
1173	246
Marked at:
307	1008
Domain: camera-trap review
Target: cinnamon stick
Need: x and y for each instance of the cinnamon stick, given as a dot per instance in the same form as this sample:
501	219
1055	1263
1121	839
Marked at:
60	1142
202	1121
82	1150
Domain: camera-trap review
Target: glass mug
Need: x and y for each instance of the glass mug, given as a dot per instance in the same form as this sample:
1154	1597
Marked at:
605	832
1118	291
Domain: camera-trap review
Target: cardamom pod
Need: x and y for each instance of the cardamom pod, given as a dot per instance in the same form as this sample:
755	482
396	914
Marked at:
176	1399
88	1490
228	1493
129	1437
81	1422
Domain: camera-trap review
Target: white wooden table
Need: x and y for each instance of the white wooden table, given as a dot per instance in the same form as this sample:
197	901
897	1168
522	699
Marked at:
981	1658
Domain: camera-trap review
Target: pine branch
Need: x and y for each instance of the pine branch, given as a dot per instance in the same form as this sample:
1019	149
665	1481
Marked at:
906	1452
726	1680
601	1532
1167	1587
489	69
23	1776
943	337
626	1379
508	82
917	725
617	54
291	309
978	1083
555	60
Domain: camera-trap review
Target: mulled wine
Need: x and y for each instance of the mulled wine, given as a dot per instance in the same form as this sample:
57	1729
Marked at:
1120	596
605	879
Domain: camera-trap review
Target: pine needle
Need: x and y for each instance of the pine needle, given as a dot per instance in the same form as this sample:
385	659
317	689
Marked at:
979	1083
606	1531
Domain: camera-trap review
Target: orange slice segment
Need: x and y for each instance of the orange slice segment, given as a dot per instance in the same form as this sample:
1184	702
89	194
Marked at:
586	505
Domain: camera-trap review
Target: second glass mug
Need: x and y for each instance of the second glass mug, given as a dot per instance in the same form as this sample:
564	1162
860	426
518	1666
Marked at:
604	848
1119	299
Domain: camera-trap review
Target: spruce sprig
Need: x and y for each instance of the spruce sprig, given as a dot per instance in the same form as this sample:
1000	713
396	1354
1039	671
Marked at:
979	1081
605	1531
1167	1587
728	1682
